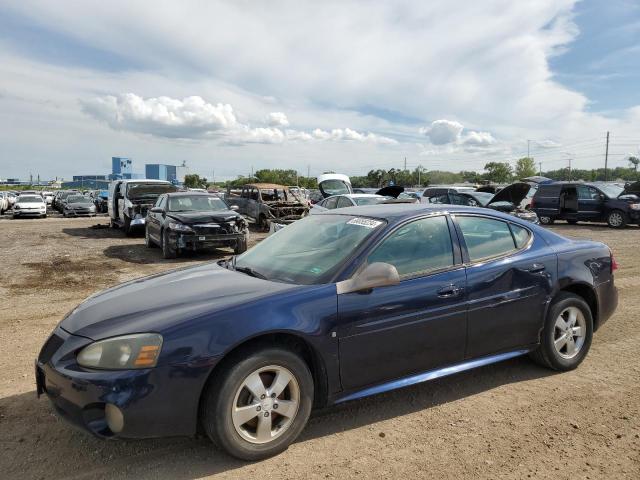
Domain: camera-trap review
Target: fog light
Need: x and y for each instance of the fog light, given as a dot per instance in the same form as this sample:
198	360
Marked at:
115	418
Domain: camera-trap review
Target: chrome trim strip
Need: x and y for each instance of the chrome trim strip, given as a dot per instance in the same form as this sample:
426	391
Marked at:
432	375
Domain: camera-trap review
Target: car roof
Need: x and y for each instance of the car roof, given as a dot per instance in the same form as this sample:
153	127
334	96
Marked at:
190	194
398	211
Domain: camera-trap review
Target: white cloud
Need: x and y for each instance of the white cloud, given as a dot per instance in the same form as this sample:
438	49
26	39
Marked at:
442	132
478	139
277	119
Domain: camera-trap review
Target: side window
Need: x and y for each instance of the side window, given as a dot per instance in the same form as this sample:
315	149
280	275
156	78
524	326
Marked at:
420	247
584	192
439	199
457	199
485	237
520	235
594	194
330	202
253	194
344	202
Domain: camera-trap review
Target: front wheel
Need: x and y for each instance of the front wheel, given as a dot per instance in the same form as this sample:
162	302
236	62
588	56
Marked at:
617	219
259	405
545	220
567	333
127	226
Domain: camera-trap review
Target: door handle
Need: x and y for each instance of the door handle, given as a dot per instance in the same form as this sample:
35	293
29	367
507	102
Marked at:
449	291
536	268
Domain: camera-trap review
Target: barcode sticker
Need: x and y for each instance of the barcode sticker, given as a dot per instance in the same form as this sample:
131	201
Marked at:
365	222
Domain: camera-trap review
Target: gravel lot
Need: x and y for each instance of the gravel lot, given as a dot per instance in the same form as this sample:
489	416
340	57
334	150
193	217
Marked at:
510	420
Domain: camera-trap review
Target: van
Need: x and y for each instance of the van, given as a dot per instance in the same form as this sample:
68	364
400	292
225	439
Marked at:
587	202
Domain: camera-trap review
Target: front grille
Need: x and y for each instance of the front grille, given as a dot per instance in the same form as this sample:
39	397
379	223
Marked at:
220	229
51	346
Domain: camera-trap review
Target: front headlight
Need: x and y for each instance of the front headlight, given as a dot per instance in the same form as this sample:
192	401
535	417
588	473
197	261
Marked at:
635	206
179	227
140	350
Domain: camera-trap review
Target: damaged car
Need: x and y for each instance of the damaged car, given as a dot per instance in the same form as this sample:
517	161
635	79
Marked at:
129	201
268	203
190	221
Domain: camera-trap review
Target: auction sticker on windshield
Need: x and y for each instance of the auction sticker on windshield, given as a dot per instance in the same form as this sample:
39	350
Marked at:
365	222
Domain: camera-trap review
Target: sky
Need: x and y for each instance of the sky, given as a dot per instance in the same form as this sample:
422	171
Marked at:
348	86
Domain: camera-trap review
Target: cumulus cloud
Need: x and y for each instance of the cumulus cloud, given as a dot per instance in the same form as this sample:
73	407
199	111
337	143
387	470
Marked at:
277	119
194	118
478	139
441	132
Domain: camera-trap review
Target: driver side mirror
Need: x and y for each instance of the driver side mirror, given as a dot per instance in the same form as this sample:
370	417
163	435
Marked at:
375	275
157	210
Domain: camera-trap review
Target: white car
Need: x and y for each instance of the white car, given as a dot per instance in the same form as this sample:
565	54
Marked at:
48	197
30	206
4	202
347	200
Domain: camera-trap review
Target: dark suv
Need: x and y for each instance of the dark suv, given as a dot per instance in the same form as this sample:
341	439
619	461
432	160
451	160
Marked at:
587	202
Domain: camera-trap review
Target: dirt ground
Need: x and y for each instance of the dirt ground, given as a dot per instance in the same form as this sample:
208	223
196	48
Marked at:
510	420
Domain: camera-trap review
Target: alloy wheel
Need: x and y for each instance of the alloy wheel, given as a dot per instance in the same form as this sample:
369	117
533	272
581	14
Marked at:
569	332
265	404
615	219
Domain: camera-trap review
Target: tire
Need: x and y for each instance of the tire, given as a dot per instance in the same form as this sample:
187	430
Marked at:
227	390
168	251
572	222
544	220
147	239
263	223
550	356
126	228
241	244
617	219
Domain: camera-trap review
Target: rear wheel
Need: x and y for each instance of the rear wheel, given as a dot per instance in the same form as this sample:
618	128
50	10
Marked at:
546	220
567	333
260	404
617	219
168	250
127	226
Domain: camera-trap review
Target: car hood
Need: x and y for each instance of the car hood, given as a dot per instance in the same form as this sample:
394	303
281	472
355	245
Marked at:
514	193
162	301
390	191
80	205
191	218
631	189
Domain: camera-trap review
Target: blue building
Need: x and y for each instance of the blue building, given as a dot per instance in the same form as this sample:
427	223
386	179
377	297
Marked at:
84	178
122	168
158	171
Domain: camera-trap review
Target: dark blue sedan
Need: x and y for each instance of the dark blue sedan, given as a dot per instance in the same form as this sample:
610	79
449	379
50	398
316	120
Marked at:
334	307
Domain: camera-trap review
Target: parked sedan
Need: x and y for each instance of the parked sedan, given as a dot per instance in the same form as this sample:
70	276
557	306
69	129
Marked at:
78	206
29	206
347	200
335	307
192	221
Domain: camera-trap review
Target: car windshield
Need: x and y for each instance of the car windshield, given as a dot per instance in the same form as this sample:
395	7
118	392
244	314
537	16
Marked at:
33	199
611	191
77	199
196	203
369	200
334	187
310	250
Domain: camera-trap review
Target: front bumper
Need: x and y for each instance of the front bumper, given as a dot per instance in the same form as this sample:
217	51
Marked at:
195	241
29	213
80	213
155	402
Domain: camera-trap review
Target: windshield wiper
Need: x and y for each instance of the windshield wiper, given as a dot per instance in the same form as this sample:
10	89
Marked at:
250	271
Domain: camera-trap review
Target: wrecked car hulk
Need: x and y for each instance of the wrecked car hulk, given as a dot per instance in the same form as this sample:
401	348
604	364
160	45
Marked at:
267	203
129	201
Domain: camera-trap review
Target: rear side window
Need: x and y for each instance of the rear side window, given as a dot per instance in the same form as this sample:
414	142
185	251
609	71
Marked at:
344	202
330	202
520	235
486	237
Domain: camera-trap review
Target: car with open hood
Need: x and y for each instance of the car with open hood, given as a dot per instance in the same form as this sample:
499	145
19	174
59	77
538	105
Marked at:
588	202
507	200
192	221
333	308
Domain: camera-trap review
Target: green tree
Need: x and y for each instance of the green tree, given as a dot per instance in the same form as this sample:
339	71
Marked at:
634	161
498	172
525	167
194	180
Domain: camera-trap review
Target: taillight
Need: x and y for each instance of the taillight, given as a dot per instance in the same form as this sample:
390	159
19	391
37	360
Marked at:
614	264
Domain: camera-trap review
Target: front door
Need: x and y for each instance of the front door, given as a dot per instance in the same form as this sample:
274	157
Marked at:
508	284
417	325
590	203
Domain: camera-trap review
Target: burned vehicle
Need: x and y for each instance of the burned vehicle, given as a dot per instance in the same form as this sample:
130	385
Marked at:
191	221
268	203
129	201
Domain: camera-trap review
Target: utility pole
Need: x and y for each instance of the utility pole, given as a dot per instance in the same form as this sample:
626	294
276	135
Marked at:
569	169
540	168
606	159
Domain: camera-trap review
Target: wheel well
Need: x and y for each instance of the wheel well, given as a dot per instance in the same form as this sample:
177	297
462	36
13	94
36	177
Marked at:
588	295
290	342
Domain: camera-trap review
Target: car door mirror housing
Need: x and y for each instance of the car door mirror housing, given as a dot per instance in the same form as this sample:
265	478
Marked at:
375	275
157	210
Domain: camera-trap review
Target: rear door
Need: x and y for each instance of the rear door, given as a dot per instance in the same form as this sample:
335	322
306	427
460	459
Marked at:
546	201
509	277
417	325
